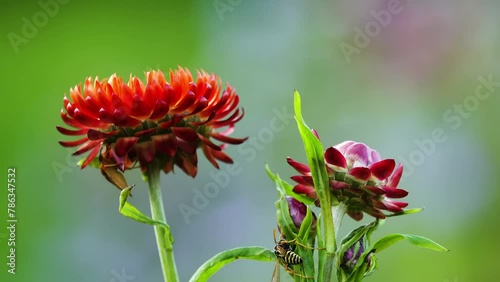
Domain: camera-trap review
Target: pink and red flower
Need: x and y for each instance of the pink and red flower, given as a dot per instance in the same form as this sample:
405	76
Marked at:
153	122
359	179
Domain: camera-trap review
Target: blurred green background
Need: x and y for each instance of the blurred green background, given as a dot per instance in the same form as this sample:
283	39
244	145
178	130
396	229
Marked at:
389	79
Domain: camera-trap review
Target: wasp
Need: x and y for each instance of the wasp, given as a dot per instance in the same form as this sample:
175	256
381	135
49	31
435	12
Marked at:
285	255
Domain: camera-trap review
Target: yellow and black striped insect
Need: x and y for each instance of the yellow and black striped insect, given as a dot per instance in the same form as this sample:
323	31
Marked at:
285	255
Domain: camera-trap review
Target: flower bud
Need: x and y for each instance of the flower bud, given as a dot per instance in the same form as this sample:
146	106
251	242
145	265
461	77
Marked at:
298	212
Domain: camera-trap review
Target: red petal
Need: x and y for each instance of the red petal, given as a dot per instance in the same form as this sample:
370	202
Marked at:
86	120
187	101
165	143
303	179
146	132
161	109
122	118
223	157
336	185
335	159
395	206
124	144
208	142
145	151
98	135
394	193
71	132
140	109
188	163
105	116
198	123
185	133
188	147
202	104
207	151
394	181
91	156
303	189
70	121
374	190
171	122
87	146
73	143
361	173
169	166
299	167
235	117
383	169
229	140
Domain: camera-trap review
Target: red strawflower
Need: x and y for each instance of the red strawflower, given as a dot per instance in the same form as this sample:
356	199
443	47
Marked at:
358	178
153	122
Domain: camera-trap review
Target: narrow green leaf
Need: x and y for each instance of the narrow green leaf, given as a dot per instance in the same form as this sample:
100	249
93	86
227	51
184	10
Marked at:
305	227
416	240
303	237
387	241
214	264
132	212
405	212
314	152
426	243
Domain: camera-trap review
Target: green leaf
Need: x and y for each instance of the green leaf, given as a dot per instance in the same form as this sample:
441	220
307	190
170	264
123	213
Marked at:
285	188
132	212
315	158
416	240
405	212
305	227
314	152
213	265
304	237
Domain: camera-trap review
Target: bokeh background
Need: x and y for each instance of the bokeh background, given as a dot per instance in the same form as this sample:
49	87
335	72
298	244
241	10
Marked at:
389	81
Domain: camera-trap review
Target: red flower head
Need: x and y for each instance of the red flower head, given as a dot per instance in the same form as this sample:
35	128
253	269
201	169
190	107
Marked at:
153	122
358	178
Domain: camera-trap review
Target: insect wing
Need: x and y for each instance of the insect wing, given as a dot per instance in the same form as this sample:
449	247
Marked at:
276	272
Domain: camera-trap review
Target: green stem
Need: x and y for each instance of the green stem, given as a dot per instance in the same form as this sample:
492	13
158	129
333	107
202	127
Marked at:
329	237
163	236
